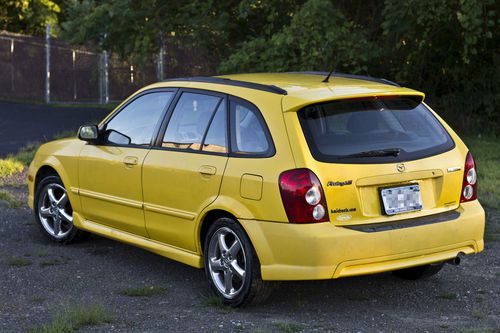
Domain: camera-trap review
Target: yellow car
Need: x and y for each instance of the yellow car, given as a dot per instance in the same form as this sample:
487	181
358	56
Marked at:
262	177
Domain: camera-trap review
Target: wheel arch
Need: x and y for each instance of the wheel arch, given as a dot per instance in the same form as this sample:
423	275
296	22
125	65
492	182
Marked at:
52	166
209	217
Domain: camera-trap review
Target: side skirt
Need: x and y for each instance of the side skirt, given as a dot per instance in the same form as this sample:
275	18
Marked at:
174	253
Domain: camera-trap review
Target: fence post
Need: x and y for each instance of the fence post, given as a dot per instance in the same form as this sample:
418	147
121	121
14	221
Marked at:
104	78
73	52
47	63
161	59
12	69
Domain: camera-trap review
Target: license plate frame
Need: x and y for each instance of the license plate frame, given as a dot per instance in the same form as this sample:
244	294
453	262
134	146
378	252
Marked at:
400	199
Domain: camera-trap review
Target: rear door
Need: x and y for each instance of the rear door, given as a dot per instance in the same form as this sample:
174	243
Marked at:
182	174
381	159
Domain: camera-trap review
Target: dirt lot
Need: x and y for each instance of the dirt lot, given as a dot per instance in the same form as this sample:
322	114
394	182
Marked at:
140	291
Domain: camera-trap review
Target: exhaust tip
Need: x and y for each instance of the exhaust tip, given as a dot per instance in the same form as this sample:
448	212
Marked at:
455	261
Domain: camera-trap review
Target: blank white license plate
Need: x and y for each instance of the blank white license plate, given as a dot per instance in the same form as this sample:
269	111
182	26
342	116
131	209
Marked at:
401	199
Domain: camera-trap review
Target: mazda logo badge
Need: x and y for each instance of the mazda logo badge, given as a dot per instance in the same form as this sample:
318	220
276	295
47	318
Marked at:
401	167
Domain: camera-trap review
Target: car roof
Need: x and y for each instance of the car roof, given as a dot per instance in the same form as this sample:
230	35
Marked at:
301	88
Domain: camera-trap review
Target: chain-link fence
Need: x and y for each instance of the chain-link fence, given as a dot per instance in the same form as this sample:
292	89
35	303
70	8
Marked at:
82	74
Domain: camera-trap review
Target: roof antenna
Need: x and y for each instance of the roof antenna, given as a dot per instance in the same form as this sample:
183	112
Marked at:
328	77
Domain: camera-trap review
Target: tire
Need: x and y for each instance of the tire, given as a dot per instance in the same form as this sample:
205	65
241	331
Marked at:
54	213
231	265
419	272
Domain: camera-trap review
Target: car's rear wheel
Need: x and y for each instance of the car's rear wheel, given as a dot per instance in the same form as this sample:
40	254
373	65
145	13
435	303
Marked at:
53	211
231	265
419	272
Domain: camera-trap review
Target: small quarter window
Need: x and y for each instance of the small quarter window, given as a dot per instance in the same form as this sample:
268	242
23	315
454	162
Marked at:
136	122
190	120
249	134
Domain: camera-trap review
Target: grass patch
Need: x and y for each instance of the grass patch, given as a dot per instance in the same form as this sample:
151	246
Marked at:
41	253
143	291
37	299
486	152
52	262
75	318
25	155
288	327
18	262
10	166
448	296
478	314
9	199
214	301
217	302
16	163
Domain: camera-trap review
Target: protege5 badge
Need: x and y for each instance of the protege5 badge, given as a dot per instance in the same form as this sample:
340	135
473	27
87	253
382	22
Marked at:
344	183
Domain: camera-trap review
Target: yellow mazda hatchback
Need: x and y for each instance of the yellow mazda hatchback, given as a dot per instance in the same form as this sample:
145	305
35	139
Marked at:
261	177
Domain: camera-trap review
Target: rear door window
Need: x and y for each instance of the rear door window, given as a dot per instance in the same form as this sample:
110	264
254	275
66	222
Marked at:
190	119
373	130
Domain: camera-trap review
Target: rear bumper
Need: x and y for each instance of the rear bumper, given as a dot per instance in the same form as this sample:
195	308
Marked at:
324	251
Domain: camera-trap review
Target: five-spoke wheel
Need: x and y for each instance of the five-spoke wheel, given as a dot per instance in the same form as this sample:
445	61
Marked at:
227	262
53	210
231	265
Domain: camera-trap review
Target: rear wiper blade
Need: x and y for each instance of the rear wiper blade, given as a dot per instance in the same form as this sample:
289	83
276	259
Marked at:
375	153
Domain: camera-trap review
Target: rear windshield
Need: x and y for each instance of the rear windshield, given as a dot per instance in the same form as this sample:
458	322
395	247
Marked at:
373	130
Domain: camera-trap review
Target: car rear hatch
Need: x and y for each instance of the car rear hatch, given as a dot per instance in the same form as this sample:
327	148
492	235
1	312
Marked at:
381	159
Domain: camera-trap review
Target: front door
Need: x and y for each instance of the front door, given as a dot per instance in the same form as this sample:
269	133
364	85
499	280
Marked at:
110	172
183	174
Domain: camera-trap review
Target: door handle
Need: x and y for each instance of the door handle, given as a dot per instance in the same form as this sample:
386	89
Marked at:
208	170
130	160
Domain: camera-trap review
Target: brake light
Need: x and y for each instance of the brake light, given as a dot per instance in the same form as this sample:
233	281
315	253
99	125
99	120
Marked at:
303	196
469	185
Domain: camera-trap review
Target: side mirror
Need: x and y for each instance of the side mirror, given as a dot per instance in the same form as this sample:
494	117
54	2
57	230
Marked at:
89	133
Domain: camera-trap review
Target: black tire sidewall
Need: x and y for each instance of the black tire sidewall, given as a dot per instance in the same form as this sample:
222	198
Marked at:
251	262
40	188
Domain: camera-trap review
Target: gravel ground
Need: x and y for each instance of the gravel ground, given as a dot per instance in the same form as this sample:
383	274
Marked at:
97	271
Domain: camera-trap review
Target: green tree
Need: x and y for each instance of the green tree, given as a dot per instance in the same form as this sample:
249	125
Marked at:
450	49
318	37
132	28
28	16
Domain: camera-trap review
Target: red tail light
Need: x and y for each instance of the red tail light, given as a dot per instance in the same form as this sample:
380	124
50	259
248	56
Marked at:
469	185
303	196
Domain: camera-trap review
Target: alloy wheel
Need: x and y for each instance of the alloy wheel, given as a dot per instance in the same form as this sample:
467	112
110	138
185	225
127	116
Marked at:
55	212
227	262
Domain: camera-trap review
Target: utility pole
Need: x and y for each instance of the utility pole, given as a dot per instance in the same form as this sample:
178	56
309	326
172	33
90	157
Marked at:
47	63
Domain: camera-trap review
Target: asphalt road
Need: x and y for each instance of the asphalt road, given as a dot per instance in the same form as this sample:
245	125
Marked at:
463	298
22	123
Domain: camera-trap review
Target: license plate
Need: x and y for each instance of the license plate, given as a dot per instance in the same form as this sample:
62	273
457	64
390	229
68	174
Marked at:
403	199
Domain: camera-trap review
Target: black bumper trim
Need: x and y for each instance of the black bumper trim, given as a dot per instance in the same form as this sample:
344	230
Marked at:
415	222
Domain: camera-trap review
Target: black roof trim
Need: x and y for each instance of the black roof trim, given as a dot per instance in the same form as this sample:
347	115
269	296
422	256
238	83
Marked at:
350	76
230	82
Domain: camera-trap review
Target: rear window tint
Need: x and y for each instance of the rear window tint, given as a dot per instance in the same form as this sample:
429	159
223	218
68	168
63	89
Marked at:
339	129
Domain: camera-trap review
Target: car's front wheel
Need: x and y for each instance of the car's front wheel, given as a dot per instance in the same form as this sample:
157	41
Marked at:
231	265
53	211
